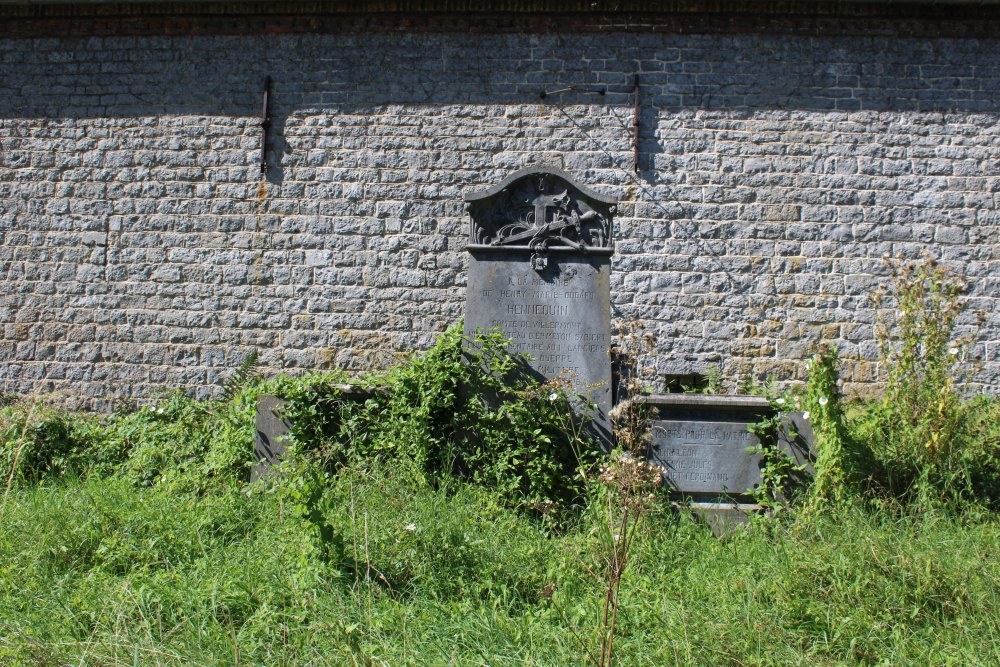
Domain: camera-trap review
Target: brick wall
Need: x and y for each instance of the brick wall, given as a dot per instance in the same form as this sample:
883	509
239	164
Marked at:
139	246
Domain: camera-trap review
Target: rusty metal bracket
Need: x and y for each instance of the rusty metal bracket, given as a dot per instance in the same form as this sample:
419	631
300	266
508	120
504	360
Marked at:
574	89
635	124
265	124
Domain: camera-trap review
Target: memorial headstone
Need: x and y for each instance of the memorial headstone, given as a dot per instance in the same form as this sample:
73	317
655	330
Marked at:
539	271
273	428
704	445
710	459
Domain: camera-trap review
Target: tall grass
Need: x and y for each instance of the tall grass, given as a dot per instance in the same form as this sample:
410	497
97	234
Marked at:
456	517
99	572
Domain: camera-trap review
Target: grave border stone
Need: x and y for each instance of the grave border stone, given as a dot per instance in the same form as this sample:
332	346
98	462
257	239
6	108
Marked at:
271	438
272	428
693	412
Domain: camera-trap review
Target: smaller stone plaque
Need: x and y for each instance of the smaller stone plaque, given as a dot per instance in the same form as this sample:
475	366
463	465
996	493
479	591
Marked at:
706	456
272	431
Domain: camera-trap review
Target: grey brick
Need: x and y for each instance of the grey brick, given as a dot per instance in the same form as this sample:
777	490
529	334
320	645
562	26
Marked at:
132	215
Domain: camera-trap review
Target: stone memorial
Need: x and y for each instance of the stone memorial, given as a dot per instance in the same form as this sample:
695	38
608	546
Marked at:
539	271
272	431
710	459
707	457
704	445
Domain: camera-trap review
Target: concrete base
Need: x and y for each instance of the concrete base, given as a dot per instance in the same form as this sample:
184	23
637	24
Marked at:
722	518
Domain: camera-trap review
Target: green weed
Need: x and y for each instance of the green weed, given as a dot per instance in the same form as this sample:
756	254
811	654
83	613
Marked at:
823	406
466	408
412	524
921	433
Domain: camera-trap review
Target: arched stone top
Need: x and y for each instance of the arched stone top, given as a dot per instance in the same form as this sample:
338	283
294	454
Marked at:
531	171
538	208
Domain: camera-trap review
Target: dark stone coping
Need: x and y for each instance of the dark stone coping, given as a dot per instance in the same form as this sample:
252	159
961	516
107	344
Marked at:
21	19
502	6
534	171
552	250
707	401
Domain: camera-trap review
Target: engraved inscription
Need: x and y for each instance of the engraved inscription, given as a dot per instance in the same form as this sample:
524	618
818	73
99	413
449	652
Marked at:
561	320
536	327
706	457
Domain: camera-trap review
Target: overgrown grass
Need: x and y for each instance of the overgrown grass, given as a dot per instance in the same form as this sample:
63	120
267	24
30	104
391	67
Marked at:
456	517
100	572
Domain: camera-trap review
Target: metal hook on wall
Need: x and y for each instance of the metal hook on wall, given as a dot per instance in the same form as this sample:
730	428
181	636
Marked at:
574	89
265	124
635	123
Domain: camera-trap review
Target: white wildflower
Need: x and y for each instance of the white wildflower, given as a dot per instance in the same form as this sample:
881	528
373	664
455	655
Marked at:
780	401
805	415
553	396
823	400
410	527
953	351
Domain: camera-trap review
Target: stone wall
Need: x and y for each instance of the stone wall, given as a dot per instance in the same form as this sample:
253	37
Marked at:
140	247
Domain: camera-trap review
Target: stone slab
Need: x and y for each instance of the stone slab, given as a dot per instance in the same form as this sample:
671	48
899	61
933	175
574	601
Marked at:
722	518
272	430
706	457
559	317
708	401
